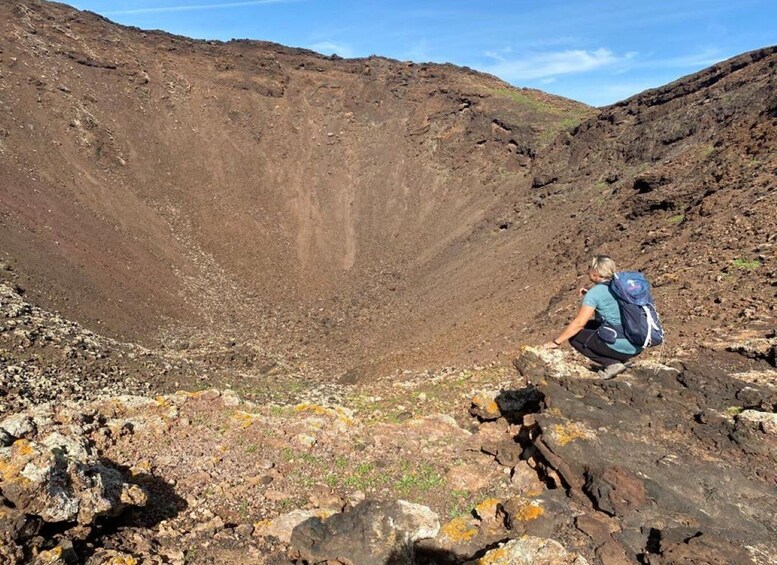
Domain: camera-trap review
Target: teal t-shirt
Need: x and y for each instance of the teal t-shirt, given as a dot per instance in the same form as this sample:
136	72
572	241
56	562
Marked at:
601	299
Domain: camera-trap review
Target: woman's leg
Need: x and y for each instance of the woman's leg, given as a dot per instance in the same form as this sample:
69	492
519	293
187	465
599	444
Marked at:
589	344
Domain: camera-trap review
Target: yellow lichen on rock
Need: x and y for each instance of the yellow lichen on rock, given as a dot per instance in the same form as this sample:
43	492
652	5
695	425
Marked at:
23	447
142	467
21	453
244	419
487	509
49	556
564	434
494	557
164	402
459	530
528	512
485	403
122	560
344	416
261	525
307	407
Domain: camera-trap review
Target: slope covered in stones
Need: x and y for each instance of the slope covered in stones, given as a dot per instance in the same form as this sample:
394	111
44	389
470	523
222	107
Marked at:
363	215
156	187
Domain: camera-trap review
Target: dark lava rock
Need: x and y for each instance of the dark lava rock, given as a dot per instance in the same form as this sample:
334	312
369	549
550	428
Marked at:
370	533
703	549
654	452
616	490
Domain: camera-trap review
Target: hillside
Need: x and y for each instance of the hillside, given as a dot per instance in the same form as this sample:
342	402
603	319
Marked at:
164	189
364	214
681	178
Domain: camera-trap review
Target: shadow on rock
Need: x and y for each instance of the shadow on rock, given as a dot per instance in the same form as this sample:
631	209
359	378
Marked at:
515	404
163	502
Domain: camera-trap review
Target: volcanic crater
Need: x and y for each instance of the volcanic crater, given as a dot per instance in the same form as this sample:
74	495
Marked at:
337	260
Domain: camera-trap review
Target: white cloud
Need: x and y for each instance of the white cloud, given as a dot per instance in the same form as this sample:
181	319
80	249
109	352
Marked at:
551	64
330	48
193	7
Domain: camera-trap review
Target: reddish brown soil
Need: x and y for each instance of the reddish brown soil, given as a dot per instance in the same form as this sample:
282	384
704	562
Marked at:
364	214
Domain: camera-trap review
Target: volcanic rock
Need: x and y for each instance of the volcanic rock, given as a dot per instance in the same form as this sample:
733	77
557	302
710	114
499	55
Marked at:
370	533
530	550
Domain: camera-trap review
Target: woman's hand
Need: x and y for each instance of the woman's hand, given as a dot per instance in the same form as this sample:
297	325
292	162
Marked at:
581	292
550	345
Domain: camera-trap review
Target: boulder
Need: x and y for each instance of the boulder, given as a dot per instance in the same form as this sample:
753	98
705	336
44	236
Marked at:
59	480
763	421
370	533
282	526
484	406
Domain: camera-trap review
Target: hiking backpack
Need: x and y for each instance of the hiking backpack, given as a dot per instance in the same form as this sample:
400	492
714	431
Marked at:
640	323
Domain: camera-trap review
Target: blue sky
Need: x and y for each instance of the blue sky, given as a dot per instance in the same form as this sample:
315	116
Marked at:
596	51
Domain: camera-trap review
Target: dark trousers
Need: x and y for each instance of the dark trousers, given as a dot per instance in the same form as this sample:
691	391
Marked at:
591	345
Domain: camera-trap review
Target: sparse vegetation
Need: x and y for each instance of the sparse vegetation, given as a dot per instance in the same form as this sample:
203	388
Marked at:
745	264
676	219
732	411
421	479
567	117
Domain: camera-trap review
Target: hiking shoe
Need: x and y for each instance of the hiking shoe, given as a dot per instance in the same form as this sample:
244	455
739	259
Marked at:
612	371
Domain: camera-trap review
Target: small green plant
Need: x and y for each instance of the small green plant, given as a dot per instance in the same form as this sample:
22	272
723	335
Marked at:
424	478
732	411
676	219
290	503
287	454
310	459
341	462
745	265
331	480
251	448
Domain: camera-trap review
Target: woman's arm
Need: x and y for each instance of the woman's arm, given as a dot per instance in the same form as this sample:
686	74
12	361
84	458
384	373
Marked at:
578	323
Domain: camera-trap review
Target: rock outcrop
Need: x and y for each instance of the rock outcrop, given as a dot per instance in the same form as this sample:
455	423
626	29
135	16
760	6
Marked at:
659	450
52	476
370	533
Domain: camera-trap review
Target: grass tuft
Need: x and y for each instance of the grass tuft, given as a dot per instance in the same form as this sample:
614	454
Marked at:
745	265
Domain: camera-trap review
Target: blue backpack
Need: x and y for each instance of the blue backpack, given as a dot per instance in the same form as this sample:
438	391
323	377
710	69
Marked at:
640	323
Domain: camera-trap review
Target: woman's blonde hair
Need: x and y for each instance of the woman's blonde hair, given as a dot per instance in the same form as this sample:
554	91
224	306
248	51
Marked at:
603	266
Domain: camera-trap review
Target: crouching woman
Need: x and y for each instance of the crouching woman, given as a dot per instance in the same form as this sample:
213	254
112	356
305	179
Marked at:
598	305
